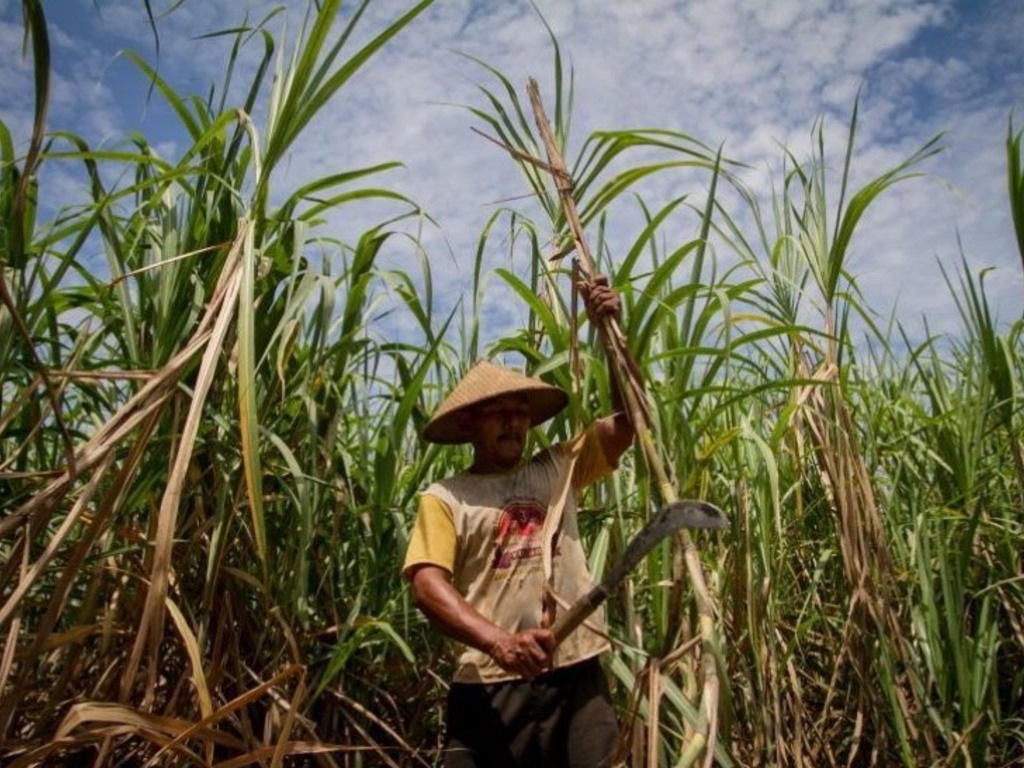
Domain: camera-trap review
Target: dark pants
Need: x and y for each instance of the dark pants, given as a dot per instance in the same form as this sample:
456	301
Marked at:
562	719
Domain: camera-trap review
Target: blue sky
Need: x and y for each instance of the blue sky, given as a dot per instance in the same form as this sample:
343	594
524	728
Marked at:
751	75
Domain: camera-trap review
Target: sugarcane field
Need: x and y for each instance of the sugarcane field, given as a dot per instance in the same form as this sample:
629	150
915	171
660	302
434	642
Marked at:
424	383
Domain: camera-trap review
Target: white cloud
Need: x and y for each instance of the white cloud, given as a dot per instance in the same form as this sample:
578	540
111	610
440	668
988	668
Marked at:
754	75
15	80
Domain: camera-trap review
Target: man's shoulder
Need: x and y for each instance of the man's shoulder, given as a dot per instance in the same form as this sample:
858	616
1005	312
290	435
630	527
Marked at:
443	484
557	455
458	486
567	448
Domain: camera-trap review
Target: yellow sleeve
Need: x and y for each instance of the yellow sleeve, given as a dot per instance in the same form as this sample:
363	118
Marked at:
591	464
432	539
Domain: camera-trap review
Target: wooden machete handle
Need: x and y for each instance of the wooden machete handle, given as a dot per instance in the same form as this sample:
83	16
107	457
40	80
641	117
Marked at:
577	613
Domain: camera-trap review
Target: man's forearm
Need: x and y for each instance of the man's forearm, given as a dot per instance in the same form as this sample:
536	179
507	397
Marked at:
454	616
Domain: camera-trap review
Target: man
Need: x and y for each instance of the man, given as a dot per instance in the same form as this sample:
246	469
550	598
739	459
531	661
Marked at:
495	550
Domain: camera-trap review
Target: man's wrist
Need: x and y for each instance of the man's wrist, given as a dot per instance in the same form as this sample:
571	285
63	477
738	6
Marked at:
499	640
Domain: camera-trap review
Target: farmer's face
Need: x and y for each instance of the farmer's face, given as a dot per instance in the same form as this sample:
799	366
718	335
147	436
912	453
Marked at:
499	427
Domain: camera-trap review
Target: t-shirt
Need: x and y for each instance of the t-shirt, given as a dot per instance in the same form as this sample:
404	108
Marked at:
489	531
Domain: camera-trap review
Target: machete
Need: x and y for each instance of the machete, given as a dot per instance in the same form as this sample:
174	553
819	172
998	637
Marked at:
670	518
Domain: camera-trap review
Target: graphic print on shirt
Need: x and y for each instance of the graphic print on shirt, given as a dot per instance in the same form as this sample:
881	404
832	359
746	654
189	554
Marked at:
518	534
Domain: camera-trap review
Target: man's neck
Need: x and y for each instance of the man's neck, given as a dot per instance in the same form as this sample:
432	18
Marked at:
493	466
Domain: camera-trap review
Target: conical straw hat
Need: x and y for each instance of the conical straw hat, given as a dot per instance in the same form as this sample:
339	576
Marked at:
484	381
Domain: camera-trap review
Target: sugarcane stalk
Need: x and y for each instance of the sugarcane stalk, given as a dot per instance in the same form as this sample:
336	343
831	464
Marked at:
632	390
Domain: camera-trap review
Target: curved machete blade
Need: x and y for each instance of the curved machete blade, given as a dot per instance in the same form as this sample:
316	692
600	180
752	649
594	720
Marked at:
670	518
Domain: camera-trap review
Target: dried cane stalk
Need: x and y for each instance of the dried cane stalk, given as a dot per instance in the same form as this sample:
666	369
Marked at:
624	368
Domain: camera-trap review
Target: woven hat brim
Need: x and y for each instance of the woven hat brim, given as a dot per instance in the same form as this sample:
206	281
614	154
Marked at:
484	382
